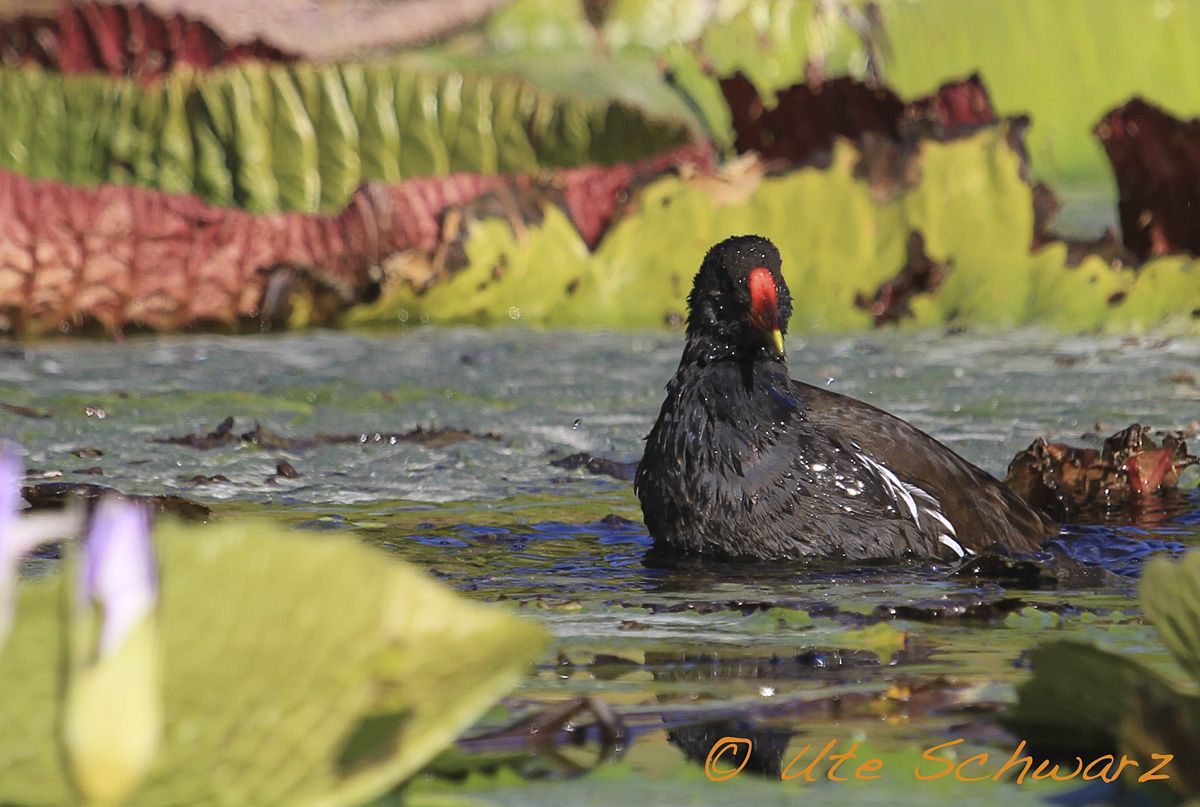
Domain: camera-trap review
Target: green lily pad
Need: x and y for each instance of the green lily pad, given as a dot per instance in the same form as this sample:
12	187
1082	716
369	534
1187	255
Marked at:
970	202
271	137
32	768
295	670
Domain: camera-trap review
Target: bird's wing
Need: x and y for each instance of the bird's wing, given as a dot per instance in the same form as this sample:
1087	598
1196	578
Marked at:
981	510
811	487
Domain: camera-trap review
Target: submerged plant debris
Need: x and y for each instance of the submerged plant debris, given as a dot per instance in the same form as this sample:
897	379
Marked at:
598	465
263	437
56	495
1130	470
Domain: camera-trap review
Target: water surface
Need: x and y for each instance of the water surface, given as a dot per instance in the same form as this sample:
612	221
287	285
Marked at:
787	654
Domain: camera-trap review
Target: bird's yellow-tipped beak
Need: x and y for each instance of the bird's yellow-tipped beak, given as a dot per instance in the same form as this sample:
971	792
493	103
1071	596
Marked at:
764	307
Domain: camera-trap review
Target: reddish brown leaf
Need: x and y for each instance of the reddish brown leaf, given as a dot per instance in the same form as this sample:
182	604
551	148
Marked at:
956	107
1156	159
122	40
124	256
806	119
148	38
892	301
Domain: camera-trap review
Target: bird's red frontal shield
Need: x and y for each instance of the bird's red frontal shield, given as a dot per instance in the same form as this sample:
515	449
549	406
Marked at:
764	306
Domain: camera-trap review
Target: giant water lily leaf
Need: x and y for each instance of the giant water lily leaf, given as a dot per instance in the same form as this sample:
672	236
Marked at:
170	261
634	78
32	768
1017	45
244	124
927	232
121	40
695	41
967	198
295	671
148	38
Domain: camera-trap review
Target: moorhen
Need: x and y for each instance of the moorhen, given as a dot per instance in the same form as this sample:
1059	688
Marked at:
744	462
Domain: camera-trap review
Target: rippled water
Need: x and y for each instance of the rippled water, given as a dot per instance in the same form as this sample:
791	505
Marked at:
544	394
676	646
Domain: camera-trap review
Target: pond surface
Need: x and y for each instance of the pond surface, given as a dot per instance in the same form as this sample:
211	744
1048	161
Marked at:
896	658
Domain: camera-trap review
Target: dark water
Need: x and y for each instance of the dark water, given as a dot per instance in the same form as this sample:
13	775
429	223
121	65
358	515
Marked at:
897	658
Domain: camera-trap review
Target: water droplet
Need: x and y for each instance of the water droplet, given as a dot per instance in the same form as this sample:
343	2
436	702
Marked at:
577	423
514	312
829	381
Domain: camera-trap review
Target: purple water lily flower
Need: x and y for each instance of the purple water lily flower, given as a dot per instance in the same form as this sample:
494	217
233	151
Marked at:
13	541
21	534
118	570
11	473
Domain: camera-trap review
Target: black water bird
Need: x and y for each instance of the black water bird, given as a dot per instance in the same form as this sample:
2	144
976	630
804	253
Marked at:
745	462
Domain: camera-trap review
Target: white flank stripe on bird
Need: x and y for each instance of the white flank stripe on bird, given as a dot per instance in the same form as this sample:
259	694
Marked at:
909	493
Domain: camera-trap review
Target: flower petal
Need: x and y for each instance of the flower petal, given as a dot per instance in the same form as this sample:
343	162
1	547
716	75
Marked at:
11	472
118	568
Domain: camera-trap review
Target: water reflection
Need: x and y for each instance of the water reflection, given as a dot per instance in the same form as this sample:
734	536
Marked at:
614	556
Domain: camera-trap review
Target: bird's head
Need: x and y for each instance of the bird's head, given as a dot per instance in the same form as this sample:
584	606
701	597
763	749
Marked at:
739	301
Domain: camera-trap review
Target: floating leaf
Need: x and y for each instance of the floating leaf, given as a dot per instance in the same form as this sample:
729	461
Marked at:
148	40
1017	45
966	200
883	639
171	261
245	124
32	767
295	670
